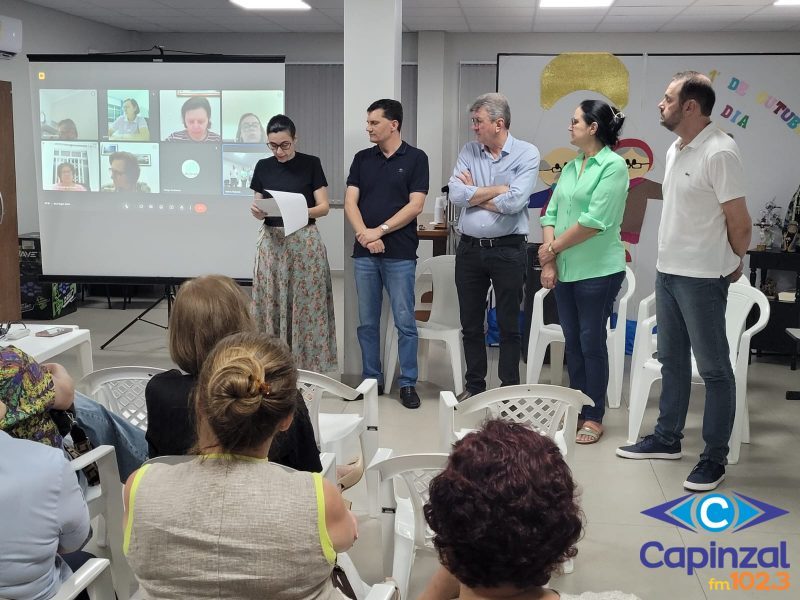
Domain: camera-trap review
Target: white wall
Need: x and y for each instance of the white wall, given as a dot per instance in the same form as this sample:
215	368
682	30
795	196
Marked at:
45	31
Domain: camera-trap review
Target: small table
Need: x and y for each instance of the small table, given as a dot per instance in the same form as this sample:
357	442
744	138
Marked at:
428	232
43	349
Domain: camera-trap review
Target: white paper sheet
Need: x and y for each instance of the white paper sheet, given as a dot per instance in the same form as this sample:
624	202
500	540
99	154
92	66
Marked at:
291	206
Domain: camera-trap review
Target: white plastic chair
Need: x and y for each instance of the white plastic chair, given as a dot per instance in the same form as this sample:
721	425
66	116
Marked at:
443	324
645	369
403	527
552	335
120	390
105	500
549	409
331	429
94	577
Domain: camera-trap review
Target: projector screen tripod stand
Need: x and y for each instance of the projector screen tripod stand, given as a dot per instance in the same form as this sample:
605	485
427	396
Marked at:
168	295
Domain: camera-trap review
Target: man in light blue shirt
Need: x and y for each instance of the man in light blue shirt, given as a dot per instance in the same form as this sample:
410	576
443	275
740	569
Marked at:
491	183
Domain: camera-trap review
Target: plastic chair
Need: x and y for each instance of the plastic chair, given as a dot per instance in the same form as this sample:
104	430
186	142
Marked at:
331	429
403	527
94	577
443	324
549	409
645	369
105	500
552	335
120	390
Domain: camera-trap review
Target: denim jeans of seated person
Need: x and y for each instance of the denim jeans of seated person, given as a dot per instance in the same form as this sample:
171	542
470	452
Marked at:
103	428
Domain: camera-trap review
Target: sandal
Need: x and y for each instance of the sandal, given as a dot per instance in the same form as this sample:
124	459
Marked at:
589	432
350	474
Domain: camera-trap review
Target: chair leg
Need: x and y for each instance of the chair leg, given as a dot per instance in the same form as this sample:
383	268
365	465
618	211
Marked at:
641	382
616	370
454	346
390	362
533	372
422	363
557	363
401	565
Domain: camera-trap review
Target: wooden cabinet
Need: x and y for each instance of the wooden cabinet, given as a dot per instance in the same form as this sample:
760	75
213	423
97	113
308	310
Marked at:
9	254
782	314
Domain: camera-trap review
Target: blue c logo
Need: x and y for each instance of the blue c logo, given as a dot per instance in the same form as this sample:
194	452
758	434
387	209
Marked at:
715	513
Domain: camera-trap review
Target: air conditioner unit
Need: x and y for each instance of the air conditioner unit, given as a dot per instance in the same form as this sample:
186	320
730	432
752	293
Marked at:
10	36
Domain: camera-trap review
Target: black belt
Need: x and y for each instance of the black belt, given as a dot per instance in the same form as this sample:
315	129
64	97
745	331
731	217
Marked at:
278	221
515	239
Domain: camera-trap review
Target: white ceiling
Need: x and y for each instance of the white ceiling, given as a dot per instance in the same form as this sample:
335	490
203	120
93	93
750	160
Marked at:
442	15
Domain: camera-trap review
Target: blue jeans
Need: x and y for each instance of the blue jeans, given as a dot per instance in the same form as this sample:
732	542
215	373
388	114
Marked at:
103	427
372	274
583	310
691	316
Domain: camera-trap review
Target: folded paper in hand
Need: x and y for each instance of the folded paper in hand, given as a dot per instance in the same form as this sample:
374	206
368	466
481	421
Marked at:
291	206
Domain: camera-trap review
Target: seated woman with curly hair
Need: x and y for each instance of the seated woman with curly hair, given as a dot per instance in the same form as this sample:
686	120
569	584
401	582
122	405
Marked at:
505	517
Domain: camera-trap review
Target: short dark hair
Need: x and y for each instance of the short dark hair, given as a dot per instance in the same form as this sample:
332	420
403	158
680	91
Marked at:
504	510
697	87
132	168
133	102
608	118
280	123
392	110
196	102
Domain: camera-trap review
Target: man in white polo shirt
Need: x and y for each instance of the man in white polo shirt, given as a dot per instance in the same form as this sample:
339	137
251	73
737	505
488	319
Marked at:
704	233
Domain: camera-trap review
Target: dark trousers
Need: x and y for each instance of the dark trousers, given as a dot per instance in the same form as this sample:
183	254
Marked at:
504	267
76	560
583	308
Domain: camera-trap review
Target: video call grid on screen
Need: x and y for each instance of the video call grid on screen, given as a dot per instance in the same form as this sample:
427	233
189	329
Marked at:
183	137
180	135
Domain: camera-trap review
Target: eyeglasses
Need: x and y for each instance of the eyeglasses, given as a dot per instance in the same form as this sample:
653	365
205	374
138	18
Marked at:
556	168
250	125
475	121
283	146
634	164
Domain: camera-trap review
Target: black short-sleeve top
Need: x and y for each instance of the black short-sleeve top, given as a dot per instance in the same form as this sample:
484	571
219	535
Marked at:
302	174
384	186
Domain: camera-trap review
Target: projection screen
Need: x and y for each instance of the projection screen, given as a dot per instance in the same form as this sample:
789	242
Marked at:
144	164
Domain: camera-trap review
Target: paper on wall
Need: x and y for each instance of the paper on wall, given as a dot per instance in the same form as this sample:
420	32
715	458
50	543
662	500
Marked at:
291	206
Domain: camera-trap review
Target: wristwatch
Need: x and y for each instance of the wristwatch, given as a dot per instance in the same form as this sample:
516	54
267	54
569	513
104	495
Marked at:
384	228
550	248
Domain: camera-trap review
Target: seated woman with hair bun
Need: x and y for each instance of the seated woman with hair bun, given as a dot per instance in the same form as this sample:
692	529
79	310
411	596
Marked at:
505	517
231	524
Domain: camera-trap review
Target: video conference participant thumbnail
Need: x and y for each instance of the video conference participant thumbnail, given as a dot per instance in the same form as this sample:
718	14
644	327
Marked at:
191	168
83	162
238	163
245	114
128	114
191	115
68	114
129	167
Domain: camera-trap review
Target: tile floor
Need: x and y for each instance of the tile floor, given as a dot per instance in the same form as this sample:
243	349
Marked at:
613	491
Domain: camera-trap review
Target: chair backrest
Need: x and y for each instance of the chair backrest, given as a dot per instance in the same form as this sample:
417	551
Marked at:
741	299
444	308
120	390
313	386
627	291
106	499
416	471
548	409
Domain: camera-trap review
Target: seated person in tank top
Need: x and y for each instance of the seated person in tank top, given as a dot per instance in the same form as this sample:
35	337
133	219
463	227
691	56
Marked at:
230	523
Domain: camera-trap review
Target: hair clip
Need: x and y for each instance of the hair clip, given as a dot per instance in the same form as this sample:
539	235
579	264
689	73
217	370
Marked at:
264	389
618	114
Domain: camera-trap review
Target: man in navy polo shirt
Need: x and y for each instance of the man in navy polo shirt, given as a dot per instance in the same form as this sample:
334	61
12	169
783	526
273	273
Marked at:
386	190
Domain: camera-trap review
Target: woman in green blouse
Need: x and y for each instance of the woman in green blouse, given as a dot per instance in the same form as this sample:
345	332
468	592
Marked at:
582	255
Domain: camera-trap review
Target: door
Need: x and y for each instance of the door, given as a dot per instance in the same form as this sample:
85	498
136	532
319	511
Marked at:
9	248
